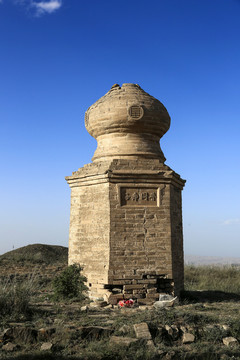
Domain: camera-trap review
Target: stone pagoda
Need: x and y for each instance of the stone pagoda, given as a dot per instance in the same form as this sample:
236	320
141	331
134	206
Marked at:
126	208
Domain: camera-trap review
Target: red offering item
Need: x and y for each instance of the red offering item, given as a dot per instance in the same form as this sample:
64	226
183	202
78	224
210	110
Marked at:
129	303
126	303
121	303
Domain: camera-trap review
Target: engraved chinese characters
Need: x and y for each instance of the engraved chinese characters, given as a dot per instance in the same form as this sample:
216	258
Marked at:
139	196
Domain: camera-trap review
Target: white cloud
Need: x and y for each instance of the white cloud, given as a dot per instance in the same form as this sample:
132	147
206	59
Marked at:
38	8
231	221
44	7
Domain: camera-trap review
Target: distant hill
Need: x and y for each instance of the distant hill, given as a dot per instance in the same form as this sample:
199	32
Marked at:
211	260
55	254
37	254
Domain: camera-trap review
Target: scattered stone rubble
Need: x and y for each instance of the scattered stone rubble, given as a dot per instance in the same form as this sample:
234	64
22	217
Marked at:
230	341
142	331
188	338
46	346
17	336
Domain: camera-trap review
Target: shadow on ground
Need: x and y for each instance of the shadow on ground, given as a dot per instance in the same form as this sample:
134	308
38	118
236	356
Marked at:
172	356
209	296
46	356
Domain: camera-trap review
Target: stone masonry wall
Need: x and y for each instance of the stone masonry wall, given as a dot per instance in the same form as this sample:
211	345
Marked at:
89	233
139	242
141	226
125	228
177	239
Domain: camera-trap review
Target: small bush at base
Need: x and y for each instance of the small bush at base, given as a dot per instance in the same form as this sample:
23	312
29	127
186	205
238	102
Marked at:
70	284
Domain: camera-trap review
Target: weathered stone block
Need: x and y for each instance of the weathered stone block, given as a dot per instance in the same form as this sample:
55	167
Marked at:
142	331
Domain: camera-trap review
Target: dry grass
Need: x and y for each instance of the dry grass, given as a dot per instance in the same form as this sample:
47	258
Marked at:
15	296
213	278
204	318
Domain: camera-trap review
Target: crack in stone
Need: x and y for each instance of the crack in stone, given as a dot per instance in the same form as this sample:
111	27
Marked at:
145	237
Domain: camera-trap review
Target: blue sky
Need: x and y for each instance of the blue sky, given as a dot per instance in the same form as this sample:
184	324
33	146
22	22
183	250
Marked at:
59	57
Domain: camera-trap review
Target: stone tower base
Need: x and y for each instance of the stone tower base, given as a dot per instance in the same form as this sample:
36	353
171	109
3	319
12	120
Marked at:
126	228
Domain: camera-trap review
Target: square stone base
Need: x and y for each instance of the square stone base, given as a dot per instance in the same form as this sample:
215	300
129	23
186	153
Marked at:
126	228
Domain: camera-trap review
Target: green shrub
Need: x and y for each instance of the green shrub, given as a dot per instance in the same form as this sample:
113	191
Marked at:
70	284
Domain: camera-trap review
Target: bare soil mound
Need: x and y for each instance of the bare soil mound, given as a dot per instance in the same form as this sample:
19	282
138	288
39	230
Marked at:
36	254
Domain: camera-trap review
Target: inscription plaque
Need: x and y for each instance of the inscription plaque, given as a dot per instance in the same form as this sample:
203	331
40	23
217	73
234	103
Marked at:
139	196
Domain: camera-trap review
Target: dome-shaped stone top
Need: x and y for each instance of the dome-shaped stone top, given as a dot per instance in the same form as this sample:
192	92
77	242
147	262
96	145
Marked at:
127	123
